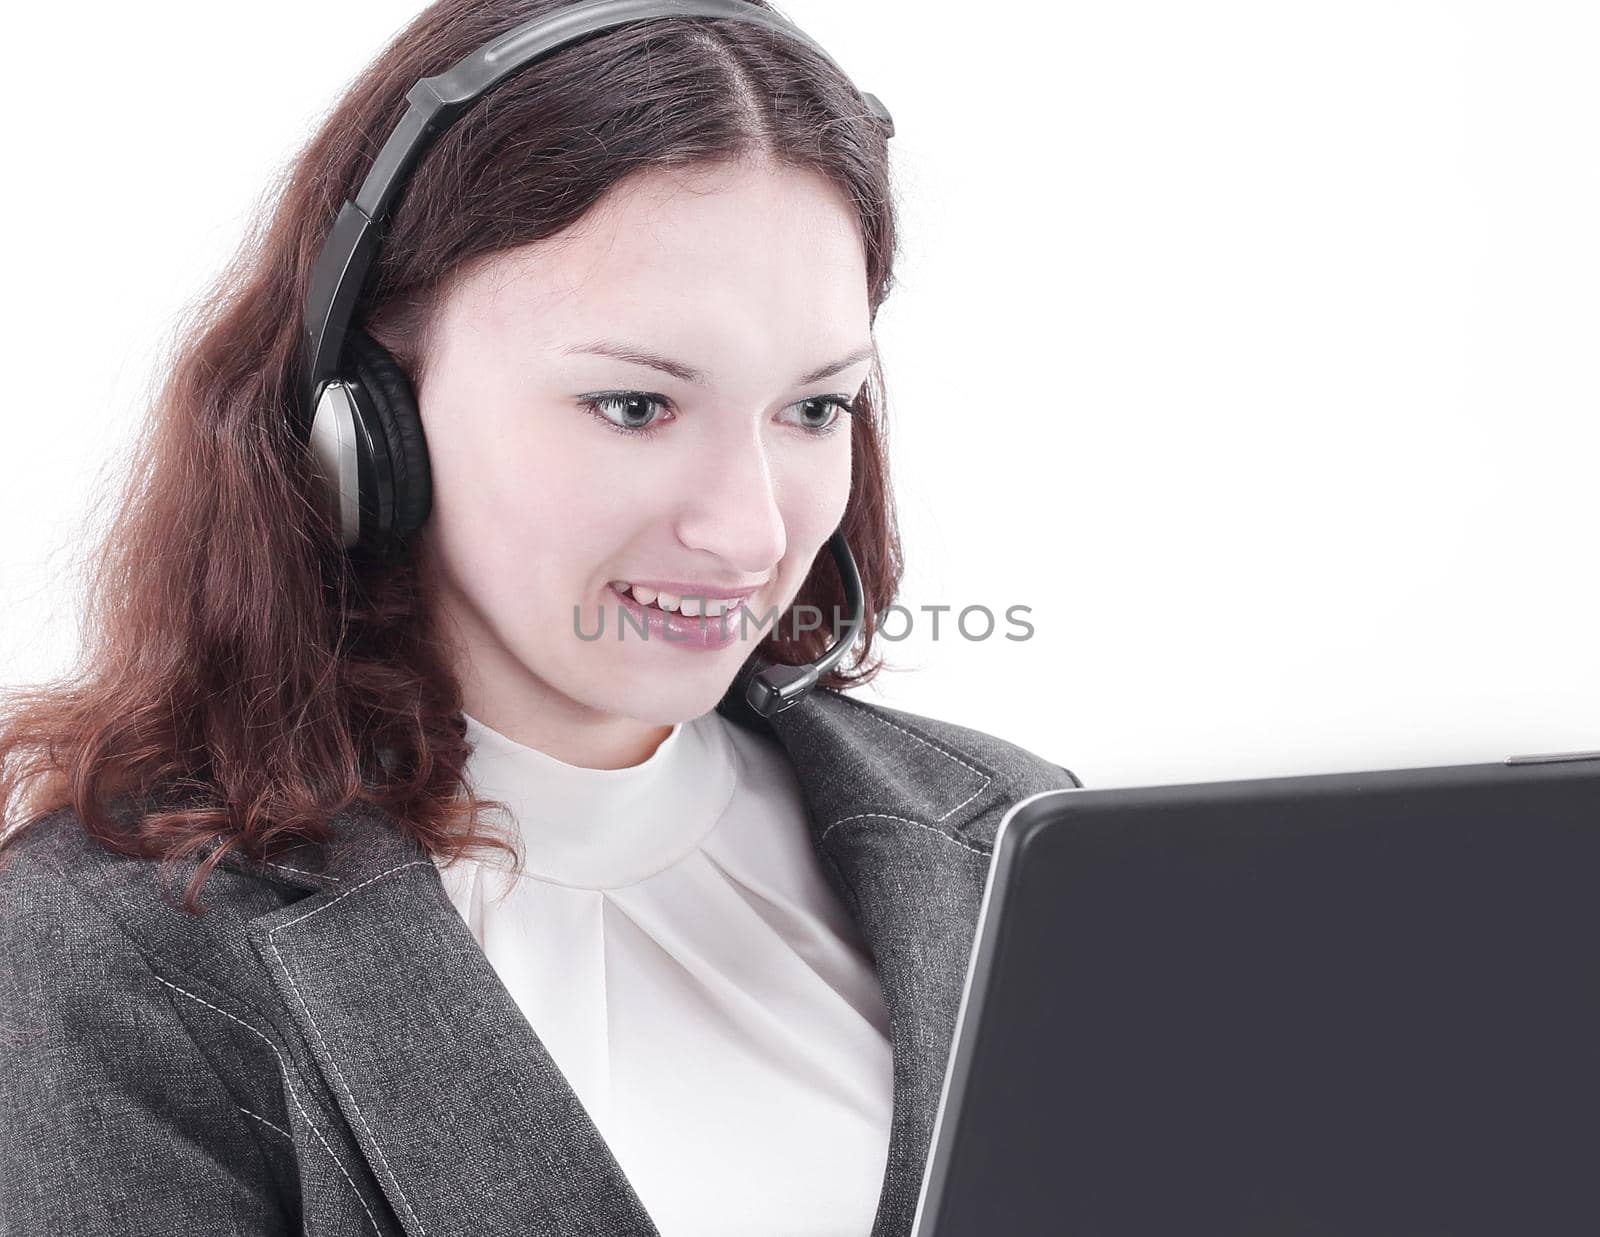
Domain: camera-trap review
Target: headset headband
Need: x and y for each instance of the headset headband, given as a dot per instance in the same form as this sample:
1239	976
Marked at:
340	273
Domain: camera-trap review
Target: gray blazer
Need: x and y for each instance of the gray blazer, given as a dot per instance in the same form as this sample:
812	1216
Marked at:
327	1049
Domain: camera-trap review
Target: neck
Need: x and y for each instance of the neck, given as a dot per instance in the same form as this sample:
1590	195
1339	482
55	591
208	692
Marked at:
583	738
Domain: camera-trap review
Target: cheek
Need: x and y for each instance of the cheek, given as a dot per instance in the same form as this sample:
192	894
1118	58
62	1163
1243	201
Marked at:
519	514
828	493
813	506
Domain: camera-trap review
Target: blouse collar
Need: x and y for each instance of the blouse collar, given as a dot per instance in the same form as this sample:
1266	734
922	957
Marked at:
603	828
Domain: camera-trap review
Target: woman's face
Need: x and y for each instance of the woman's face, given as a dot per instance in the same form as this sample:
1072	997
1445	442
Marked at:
642	398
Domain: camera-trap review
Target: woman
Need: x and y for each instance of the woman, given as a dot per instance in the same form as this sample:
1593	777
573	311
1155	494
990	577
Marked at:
701	975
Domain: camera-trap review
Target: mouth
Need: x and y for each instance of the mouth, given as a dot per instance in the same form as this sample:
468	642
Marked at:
688	605
701	631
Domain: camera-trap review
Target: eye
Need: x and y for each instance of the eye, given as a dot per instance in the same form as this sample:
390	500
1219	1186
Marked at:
831	408
626	412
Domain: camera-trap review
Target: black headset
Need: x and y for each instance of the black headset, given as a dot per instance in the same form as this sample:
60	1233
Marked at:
358	413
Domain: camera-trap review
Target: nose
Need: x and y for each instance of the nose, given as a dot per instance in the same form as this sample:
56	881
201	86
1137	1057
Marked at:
729	507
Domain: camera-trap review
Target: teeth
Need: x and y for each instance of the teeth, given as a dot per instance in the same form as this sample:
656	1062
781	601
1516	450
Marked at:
690	607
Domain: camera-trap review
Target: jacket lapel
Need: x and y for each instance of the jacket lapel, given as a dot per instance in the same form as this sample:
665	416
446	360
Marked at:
903	821
463	1114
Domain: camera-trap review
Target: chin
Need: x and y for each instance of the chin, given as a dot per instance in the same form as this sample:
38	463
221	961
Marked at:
663	698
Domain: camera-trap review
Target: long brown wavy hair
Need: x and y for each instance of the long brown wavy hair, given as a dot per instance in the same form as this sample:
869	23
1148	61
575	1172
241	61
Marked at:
241	680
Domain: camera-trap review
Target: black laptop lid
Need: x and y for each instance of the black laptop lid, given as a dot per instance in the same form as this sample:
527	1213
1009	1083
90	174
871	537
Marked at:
1347	1004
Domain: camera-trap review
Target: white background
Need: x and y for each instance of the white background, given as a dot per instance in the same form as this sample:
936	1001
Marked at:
1251	345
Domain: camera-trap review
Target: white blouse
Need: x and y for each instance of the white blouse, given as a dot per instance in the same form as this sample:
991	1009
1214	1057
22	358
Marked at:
674	944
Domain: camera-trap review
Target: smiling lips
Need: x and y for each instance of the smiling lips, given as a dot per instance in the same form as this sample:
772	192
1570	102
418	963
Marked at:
689	604
690	624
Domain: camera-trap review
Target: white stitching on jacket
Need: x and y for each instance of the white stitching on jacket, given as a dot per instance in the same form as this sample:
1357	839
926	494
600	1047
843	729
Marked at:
949	755
288	1082
948	837
301	871
940	748
271	1125
395	1181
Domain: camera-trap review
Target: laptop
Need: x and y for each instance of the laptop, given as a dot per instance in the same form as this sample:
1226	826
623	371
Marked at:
1347	1004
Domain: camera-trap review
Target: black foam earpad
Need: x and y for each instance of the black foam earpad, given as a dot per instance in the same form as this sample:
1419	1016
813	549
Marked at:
400	425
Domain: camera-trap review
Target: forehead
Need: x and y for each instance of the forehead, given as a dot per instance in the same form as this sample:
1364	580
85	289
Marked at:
741	253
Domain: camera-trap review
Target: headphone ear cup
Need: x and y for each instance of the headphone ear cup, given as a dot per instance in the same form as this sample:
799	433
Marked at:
400	425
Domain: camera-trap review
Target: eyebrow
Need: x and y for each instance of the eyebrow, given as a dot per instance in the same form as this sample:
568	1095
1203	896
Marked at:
687	373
